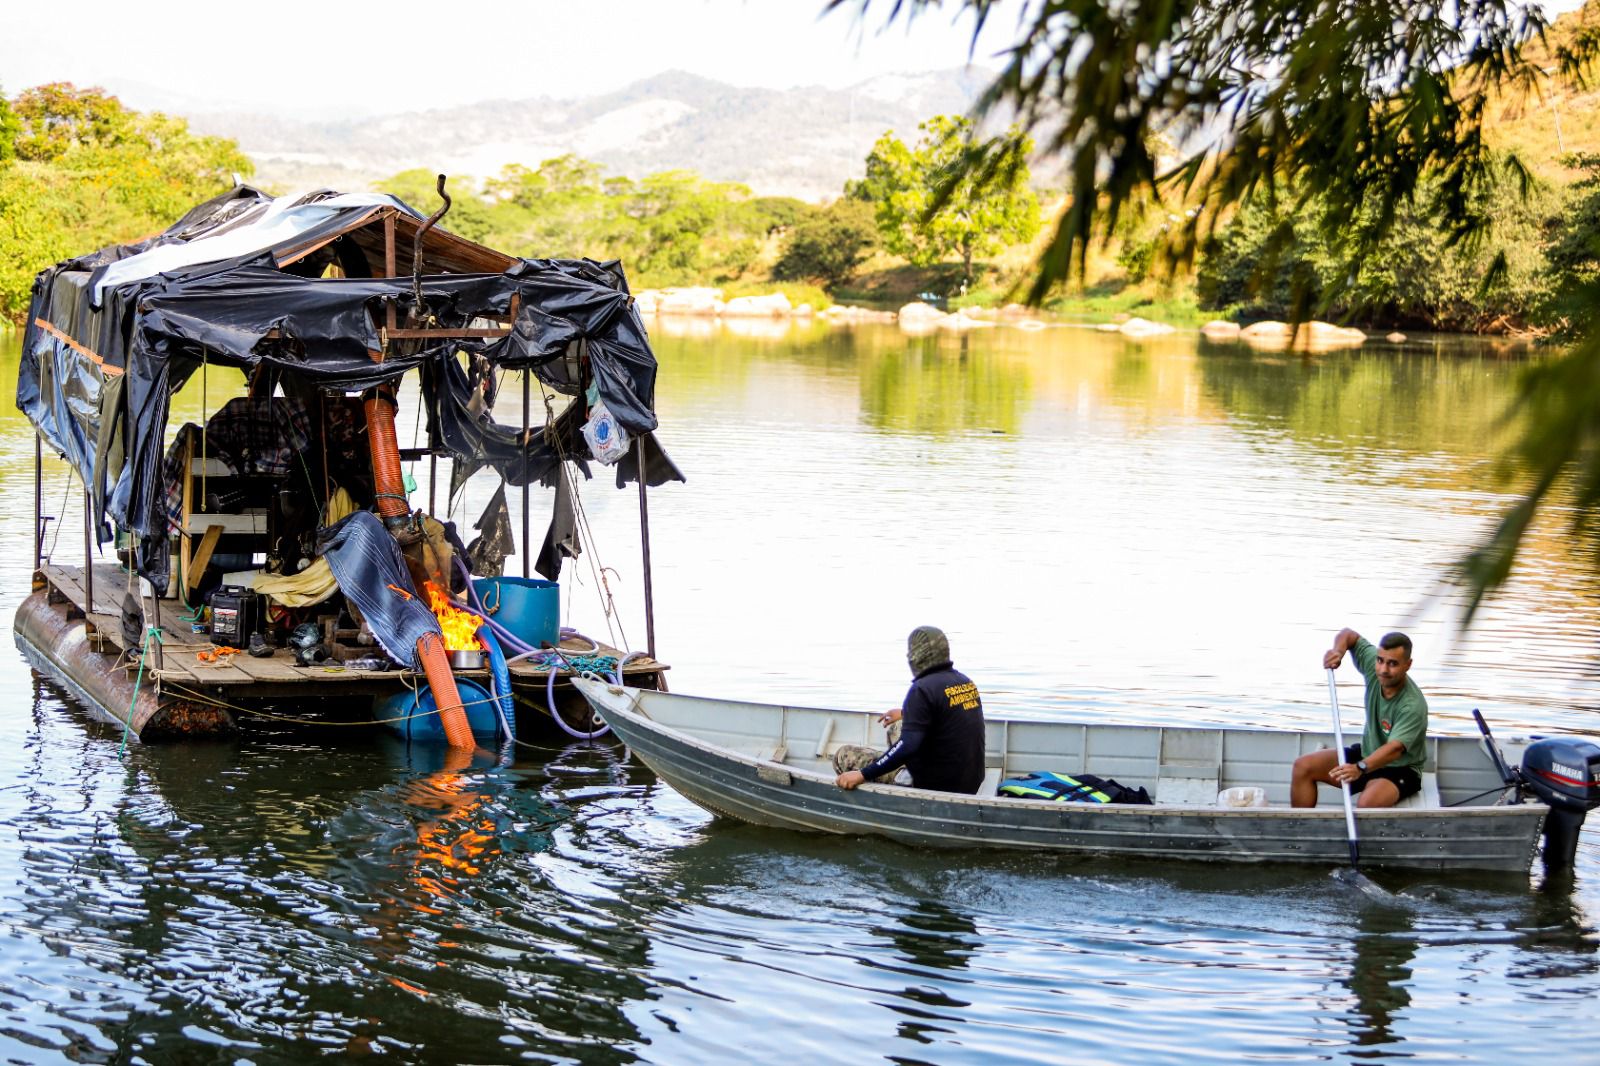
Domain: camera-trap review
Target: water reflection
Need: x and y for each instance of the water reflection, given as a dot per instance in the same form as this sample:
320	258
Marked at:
1380	973
1161	530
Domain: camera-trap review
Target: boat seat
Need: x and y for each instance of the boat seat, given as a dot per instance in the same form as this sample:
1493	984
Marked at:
991	781
1428	796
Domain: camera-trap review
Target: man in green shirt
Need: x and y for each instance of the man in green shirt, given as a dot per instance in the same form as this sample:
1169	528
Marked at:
1386	766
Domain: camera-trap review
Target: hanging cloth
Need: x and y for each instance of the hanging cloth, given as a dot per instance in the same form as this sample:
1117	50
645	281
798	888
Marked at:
561	539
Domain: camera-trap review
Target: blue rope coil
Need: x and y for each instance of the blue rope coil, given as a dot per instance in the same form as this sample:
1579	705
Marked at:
592	664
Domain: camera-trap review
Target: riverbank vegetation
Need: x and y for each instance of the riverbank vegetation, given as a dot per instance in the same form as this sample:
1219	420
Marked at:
78	171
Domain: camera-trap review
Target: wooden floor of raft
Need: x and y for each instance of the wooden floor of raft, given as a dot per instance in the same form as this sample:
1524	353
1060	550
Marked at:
180	661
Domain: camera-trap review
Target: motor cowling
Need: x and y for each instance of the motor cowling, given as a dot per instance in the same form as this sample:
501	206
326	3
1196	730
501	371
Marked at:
1564	772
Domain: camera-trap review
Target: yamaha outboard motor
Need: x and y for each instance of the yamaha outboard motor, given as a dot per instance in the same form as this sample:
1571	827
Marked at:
1564	772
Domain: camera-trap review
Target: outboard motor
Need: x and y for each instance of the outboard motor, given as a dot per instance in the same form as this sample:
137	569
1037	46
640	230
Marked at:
1564	772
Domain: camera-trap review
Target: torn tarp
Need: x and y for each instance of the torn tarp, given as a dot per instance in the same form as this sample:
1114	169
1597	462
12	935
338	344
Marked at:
372	574
153	312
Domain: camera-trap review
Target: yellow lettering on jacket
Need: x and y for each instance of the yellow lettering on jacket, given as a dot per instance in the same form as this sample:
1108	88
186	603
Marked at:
962	697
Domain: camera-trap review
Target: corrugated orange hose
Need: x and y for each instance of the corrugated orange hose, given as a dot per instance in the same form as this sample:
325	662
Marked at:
453	716
389	487
388	483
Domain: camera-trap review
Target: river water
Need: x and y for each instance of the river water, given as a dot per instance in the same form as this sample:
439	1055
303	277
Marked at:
1162	531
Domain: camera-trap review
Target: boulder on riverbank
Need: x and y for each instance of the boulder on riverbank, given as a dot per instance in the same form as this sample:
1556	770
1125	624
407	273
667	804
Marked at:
1143	327
844	313
686	301
772	305
1219	330
1311	336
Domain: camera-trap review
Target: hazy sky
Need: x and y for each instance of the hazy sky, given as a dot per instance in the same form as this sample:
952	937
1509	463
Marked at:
336	57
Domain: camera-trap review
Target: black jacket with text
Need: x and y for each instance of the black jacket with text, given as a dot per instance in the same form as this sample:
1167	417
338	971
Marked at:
941	734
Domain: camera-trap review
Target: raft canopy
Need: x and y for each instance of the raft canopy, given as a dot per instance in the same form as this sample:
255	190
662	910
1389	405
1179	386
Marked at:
317	291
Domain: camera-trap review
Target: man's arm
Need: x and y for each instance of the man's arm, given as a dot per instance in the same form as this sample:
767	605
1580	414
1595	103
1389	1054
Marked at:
914	727
1343	641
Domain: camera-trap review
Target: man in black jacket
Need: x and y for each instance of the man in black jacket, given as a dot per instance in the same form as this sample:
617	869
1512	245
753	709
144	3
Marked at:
941	733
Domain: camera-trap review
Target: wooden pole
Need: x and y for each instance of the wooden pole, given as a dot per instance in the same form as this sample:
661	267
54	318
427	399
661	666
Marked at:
88	553
38	500
527	384
644	539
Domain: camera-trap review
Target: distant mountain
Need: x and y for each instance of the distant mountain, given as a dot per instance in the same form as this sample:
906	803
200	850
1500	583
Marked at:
803	142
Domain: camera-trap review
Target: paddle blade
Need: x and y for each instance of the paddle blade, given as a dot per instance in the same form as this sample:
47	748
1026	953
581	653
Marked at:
1351	877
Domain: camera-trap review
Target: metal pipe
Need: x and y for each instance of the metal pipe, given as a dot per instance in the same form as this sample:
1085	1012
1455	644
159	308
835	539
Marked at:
433	482
527	385
416	251
38	500
644	539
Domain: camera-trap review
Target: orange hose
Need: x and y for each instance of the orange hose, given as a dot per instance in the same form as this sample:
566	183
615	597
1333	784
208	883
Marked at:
390	489
430	649
387	482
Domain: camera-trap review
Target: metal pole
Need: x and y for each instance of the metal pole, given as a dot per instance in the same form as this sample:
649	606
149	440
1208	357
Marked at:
527	384
38	500
88	553
644	539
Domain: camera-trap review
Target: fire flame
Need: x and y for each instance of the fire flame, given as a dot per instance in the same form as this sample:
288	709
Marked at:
460	627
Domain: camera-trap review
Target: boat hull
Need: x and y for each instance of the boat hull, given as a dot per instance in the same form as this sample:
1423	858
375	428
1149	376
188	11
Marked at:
767	793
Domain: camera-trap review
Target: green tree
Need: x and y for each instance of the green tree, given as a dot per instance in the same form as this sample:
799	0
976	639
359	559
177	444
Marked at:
827	245
1574	248
1274	260
1372	107
929	208
10	129
59	117
89	173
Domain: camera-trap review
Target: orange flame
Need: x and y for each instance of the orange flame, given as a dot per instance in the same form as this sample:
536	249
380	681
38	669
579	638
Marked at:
460	627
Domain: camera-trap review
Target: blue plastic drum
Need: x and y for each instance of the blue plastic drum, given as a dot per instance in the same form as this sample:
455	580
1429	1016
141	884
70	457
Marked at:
527	607
413	716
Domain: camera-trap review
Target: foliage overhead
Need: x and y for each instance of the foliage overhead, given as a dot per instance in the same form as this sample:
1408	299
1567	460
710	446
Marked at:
928	208
1369	108
1356	103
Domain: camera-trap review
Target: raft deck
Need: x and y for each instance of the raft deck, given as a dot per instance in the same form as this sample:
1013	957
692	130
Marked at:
179	666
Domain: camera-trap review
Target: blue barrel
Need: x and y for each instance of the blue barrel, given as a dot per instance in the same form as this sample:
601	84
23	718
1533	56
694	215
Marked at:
527	607
413	717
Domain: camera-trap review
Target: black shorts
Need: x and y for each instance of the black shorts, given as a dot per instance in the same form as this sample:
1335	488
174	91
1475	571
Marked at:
1407	780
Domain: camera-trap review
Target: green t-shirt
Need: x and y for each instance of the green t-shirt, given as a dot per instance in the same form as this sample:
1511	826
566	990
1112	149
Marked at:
1404	718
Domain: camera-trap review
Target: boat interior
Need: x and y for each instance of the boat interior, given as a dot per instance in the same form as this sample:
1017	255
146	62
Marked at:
1184	766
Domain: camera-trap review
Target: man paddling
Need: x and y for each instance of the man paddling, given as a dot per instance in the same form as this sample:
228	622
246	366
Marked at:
1386	766
941	726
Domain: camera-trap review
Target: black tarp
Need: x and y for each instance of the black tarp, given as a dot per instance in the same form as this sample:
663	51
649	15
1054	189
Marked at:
247	312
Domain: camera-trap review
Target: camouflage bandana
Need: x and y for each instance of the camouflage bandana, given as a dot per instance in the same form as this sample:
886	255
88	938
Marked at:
927	647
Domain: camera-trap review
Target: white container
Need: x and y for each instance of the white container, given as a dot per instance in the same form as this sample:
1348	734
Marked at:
1242	796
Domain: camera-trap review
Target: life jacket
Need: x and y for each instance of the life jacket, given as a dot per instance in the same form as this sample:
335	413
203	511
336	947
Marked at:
1062	788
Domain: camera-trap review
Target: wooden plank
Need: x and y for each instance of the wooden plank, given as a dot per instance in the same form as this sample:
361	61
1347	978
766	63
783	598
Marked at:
234	522
202	558
446	334
184	545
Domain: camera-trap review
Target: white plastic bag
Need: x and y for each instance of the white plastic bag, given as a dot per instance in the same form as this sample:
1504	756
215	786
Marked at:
1242	796
608	441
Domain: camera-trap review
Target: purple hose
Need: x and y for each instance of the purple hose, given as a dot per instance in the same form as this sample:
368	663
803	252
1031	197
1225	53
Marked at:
522	648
